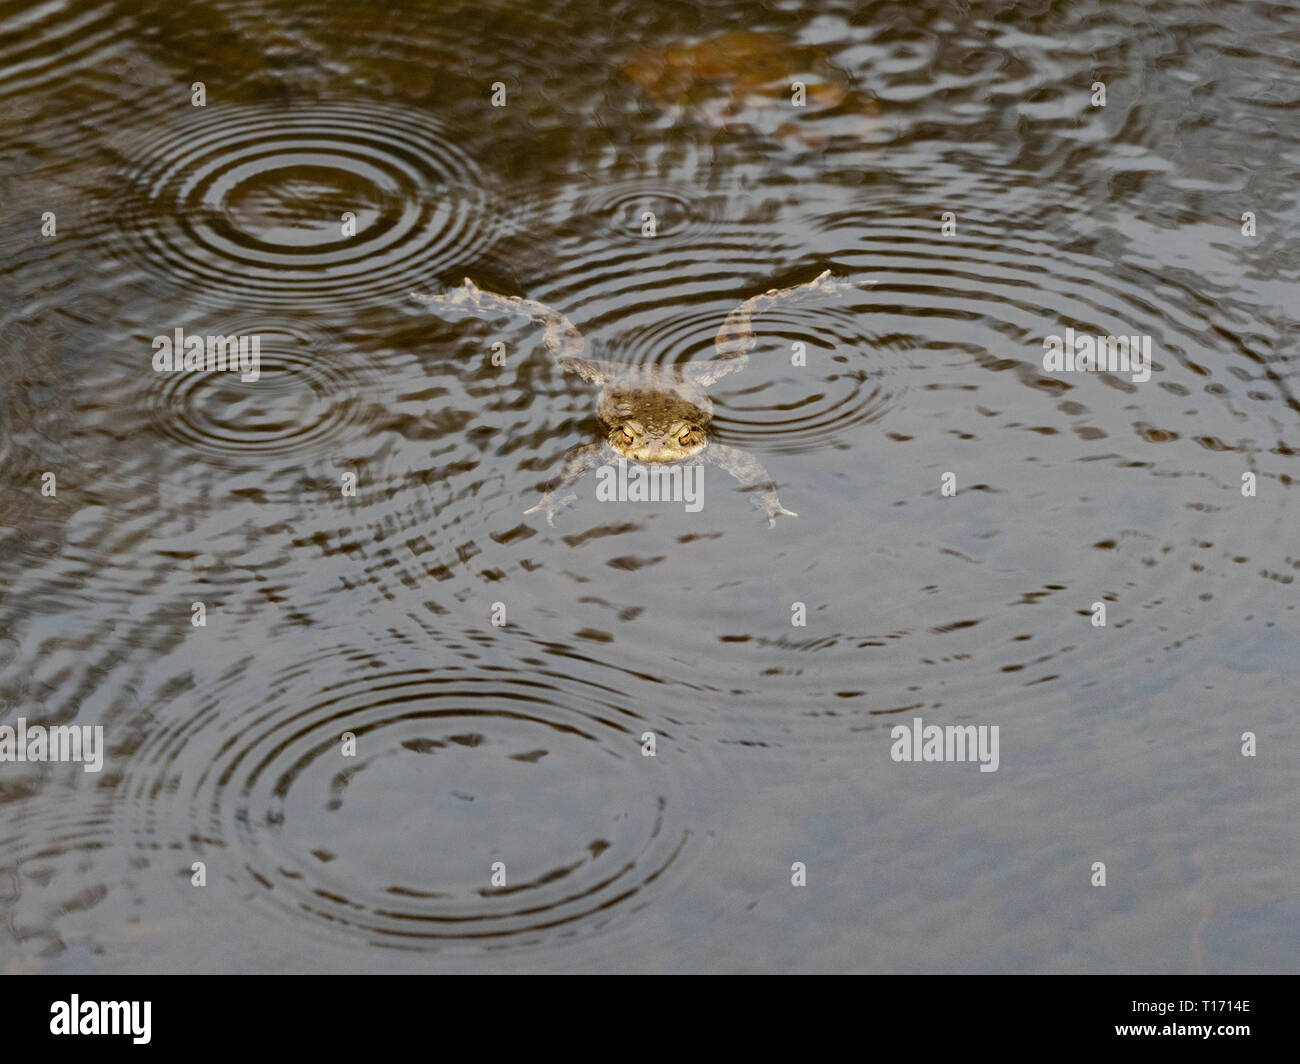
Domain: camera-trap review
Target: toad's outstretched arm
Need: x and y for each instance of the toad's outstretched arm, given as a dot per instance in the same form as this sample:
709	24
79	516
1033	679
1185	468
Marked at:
578	461
751	475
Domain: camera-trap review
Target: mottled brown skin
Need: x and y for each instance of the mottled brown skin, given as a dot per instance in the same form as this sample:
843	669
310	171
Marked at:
653	413
742	63
746	77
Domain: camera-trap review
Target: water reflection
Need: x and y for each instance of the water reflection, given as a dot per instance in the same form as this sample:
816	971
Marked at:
353	521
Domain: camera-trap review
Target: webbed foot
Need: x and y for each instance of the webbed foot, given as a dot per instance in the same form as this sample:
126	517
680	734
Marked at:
562	339
736	336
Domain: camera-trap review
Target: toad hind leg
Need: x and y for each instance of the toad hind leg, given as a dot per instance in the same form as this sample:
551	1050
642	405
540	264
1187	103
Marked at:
735	338
751	475
563	341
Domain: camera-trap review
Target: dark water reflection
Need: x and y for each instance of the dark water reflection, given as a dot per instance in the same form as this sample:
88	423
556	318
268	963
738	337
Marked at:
373	614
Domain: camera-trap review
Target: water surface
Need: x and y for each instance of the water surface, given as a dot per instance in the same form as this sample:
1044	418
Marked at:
522	743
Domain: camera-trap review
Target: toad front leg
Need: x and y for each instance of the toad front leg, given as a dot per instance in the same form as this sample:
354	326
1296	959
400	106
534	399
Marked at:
751	475
578	461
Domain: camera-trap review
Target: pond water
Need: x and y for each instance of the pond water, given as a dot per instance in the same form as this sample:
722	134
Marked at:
352	521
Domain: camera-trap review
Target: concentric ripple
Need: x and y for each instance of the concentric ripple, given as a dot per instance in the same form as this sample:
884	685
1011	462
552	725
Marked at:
825	375
816	372
648	211
302	398
455	770
326	206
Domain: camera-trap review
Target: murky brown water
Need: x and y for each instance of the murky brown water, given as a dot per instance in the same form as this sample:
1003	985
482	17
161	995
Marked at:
521	744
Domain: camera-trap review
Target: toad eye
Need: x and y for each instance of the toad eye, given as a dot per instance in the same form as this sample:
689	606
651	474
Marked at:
627	436
685	437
